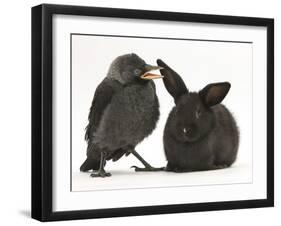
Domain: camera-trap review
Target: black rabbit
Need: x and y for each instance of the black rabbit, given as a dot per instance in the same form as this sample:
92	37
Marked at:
200	133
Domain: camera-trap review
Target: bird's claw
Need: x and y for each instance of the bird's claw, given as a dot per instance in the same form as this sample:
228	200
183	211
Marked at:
147	169
101	174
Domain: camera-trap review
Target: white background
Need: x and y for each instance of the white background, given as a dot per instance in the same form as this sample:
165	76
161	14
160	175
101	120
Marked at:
15	112
199	63
215	67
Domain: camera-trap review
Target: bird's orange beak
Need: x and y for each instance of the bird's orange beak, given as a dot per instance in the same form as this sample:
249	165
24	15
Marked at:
148	75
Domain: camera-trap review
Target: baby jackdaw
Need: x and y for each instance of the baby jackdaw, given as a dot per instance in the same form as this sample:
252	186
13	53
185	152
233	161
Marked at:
124	111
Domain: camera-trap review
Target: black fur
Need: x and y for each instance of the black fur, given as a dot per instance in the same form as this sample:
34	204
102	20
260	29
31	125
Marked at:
200	133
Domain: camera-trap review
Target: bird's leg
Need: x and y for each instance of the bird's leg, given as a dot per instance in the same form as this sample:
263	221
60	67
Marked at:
147	166
101	172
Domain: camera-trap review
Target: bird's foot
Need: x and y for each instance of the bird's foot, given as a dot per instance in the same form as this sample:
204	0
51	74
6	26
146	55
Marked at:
147	169
100	173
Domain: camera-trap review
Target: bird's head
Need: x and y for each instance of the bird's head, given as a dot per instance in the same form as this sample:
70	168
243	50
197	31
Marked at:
130	67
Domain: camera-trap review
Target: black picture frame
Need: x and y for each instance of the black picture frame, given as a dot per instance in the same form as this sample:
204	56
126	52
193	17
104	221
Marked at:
42	111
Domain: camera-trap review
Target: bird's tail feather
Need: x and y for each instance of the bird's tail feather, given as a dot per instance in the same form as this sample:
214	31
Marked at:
90	164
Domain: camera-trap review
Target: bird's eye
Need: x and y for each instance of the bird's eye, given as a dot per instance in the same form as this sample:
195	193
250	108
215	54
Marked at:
198	113
137	71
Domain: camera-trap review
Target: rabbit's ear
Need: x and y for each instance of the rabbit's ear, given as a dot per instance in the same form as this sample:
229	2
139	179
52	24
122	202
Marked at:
214	93
172	81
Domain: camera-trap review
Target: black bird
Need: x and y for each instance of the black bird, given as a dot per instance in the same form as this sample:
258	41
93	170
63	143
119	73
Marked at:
125	110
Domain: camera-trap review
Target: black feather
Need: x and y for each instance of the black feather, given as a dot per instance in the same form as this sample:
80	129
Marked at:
102	98
124	110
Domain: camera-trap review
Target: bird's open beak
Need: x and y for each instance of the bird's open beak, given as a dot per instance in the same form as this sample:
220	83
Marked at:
148	75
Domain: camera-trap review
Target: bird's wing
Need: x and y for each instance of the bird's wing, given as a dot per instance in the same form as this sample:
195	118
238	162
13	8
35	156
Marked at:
102	98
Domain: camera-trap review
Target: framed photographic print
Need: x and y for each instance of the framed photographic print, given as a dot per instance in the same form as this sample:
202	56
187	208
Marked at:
145	112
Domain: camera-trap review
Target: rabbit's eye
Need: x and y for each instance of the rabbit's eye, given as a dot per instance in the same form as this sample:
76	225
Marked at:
198	113
187	130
